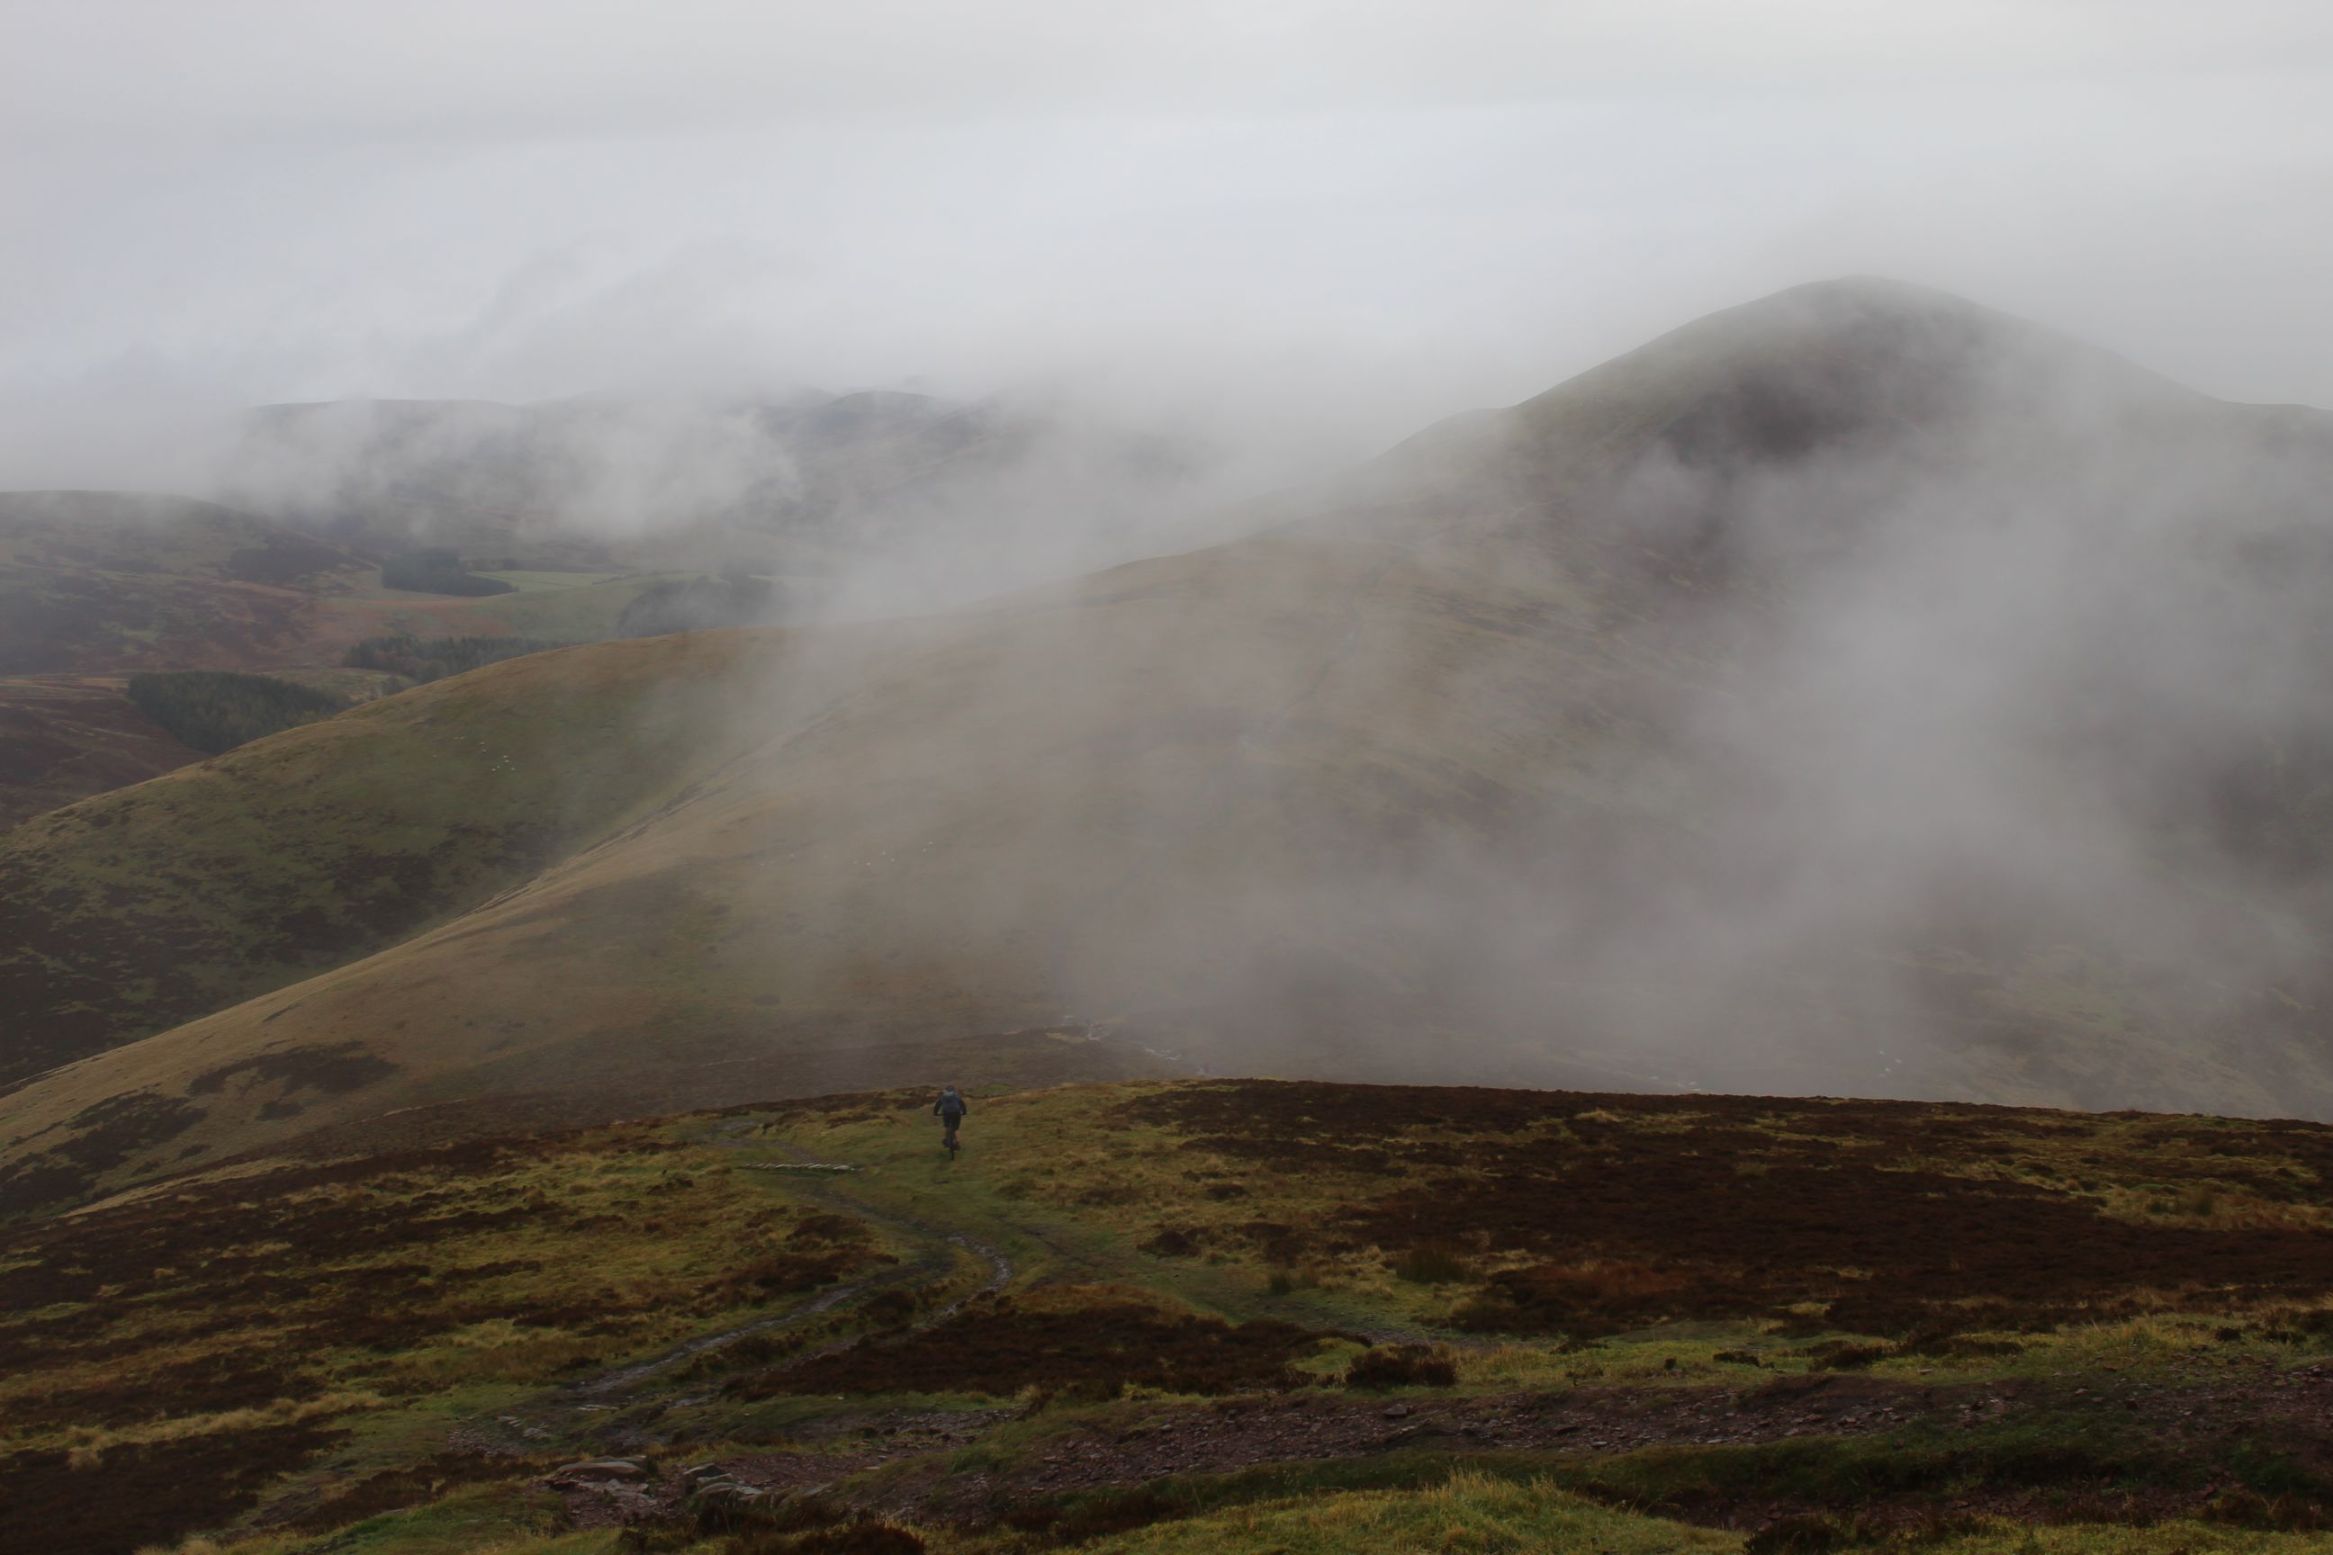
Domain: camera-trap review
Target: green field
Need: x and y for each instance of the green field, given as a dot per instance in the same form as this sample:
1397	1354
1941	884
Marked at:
565	607
542	582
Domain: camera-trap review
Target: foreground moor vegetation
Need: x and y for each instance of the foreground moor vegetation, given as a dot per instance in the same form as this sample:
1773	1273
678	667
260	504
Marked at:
1198	1316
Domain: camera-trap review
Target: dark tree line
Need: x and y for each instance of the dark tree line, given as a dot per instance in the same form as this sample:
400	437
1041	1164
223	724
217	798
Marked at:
438	571
433	658
217	710
696	604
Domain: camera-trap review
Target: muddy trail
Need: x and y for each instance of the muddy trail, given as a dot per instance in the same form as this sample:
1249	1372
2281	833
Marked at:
622	1390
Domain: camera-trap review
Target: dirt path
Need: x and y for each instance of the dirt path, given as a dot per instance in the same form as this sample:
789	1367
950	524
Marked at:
1122	1448
933	1264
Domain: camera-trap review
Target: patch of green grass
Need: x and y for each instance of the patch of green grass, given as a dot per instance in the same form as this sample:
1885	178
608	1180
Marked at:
1466	1514
482	1520
587	612
541	582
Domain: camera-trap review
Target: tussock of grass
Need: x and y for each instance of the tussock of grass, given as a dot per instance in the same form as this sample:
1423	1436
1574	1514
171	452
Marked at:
1429	1264
86	1446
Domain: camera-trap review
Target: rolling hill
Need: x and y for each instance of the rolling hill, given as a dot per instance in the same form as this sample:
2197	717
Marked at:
111	581
94	584
65	737
1857	691
601	518
904	495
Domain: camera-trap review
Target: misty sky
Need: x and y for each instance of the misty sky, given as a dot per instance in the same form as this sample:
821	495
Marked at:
1338	221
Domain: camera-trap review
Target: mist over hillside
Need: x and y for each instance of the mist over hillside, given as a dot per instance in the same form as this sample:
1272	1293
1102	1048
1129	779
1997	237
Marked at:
1244	779
376	534
1857	691
881	502
1988	725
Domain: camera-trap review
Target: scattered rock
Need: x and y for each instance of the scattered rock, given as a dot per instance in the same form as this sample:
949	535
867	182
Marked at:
728	1492
724	1505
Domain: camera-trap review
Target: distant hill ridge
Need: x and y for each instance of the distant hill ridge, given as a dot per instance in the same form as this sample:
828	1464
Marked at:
1855	692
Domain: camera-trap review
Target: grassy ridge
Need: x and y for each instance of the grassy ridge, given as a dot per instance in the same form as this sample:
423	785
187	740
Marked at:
140	909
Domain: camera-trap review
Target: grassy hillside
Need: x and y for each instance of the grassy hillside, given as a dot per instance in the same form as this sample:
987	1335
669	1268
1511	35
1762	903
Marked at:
65	737
979	824
1238	1316
1592	742
106	581
96	583
137	910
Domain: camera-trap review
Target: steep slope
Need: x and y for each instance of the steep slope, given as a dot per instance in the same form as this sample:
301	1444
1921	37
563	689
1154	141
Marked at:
1858	691
971	825
136	910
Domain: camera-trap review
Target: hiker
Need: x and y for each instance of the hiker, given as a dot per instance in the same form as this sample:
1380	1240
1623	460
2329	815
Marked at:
950	1110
